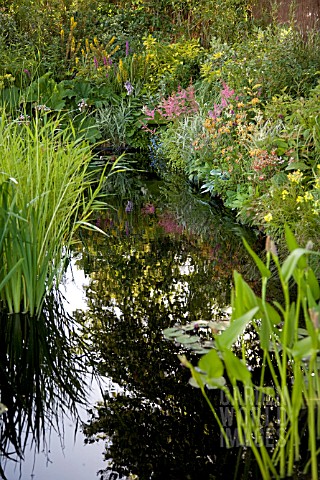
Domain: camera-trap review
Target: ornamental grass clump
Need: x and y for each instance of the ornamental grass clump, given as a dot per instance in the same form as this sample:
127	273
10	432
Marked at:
46	193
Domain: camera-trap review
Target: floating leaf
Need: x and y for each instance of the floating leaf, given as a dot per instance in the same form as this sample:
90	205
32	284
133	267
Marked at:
218	326
188	327
171	332
196	349
216	382
193	382
208	344
186	339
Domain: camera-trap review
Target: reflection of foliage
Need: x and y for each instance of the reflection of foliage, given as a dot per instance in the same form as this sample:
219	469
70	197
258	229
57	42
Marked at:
40	376
143	281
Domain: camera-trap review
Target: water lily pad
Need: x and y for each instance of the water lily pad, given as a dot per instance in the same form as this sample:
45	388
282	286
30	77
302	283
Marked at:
196	349
188	328
171	332
216	382
186	339
207	344
193	383
218	326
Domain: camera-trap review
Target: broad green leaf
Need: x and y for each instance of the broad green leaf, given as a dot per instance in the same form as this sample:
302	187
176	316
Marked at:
290	332
304	348
237	327
297	166
236	369
313	284
265	272
291	262
211	364
273	314
244	298
290	238
269	318
302	332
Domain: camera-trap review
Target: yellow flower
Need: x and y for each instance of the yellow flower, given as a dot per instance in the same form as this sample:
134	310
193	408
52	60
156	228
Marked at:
268	217
308	196
299	199
295	177
254	101
284	194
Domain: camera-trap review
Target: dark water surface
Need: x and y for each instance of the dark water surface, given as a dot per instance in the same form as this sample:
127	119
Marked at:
162	263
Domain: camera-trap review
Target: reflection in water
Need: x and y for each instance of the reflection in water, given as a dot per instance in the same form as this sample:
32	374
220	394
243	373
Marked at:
41	379
166	260
147	276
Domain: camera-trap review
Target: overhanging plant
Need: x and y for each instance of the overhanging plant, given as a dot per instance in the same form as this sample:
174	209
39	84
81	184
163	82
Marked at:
289	340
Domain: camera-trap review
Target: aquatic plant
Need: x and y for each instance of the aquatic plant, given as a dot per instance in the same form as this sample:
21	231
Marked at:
289	343
46	193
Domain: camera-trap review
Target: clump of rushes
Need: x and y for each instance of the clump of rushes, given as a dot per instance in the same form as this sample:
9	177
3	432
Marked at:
46	193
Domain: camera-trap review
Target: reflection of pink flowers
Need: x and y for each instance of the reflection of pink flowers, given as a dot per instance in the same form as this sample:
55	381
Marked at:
148	209
169	224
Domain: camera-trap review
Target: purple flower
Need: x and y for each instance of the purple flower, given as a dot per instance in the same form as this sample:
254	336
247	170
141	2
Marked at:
96	63
129	206
128	87
127	48
27	72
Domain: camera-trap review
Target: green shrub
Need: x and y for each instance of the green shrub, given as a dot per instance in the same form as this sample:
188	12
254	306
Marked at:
278	58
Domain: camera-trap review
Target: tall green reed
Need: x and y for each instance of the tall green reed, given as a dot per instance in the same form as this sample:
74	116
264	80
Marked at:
289	342
46	193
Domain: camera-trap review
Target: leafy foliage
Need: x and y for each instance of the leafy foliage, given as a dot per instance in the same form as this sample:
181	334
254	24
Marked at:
289	358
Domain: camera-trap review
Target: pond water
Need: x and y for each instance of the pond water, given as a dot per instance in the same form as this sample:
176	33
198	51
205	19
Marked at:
167	258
